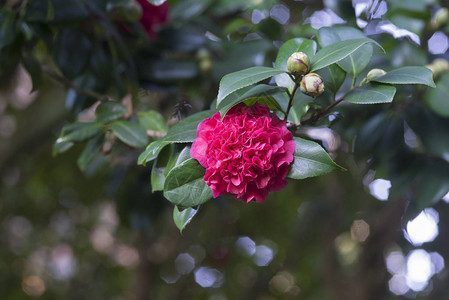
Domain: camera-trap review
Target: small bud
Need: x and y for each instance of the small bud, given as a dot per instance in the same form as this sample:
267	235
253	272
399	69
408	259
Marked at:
373	74
440	18
298	63
312	85
438	66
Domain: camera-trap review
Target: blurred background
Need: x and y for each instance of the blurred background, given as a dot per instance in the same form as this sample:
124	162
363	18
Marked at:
84	224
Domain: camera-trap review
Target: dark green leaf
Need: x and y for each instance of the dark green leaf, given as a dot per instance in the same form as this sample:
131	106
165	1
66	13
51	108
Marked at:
267	101
152	120
91	150
185	130
371	94
356	61
59	148
183	217
55	11
260	90
185	185
237	80
8	28
437	98
34	69
158	172
337	51
130	133
288	48
151	152
310	160
408	75
333	77
157	2
79	131
182	132
109	111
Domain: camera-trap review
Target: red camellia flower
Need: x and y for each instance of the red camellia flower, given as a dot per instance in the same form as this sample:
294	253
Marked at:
247	154
152	15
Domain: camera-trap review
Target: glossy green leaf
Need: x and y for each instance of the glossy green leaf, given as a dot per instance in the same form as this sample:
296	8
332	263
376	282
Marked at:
182	132
337	51
91	150
185	130
408	75
130	133
240	79
437	98
79	131
34	69
356	61
109	111
185	185
8	28
371	93
151	152
152	120
288	48
184	216
260	91
333	77
158	172
310	160
157	2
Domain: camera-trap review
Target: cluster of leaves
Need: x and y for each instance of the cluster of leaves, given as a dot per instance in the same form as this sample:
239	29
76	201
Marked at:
340	56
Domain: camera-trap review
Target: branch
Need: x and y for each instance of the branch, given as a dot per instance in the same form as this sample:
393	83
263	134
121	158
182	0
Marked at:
312	120
290	101
80	91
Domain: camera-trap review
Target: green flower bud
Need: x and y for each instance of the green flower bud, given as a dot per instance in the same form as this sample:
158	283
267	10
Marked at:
373	74
441	17
312	85
298	63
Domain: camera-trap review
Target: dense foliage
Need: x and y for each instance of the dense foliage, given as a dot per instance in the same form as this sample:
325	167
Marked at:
105	85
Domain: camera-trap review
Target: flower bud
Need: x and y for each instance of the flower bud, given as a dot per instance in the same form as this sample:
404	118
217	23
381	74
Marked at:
373	74
438	66
440	18
298	63
312	85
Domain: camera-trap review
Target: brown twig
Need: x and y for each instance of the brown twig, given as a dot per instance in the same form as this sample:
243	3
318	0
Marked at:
80	91
290	101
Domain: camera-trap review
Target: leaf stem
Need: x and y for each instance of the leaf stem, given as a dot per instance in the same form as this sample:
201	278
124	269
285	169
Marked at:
290	101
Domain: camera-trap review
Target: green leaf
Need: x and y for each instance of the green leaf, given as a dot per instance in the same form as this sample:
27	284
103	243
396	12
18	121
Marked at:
158	171
59	148
310	160
182	132
109	111
371	93
260	90
185	185
151	152
237	80
297	110
333	77
183	217
288	48
8	28
152	120
79	131
356	61
130	133
34	69
91	150
157	2
336	52
267	101
408	75
437	98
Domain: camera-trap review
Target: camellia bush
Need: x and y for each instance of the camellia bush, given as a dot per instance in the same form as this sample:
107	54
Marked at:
268	127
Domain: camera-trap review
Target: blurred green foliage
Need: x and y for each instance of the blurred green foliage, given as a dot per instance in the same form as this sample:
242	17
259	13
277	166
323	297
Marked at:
96	231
